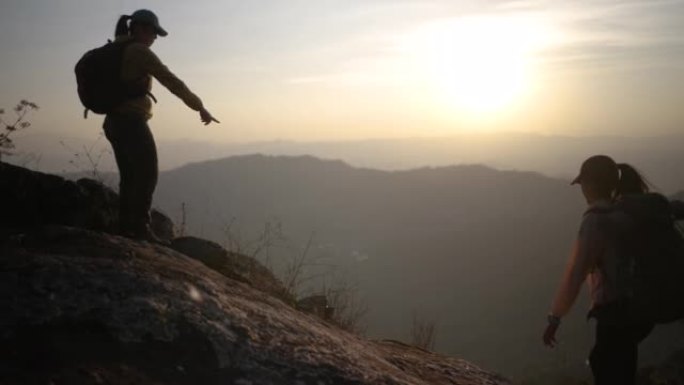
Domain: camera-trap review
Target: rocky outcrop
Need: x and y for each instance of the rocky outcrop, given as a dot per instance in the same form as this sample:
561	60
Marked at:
31	198
232	265
79	305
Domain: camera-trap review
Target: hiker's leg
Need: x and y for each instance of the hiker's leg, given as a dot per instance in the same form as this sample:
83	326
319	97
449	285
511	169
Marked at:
140	182
626	358
614	356
599	355
628	361
607	354
638	333
146	178
136	156
115	129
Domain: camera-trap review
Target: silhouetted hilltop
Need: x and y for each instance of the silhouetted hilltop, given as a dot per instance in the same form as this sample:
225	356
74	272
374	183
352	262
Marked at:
84	306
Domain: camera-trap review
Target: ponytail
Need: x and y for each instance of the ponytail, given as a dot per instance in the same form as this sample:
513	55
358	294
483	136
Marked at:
631	181
122	26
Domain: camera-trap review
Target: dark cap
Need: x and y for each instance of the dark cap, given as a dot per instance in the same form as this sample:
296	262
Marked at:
145	16
598	168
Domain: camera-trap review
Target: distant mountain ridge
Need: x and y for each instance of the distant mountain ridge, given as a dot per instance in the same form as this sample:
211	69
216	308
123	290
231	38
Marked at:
659	157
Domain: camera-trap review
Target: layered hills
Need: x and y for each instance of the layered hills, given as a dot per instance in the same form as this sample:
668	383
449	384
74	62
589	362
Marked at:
477	250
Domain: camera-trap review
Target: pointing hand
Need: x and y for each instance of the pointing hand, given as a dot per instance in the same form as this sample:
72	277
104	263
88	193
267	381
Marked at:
206	117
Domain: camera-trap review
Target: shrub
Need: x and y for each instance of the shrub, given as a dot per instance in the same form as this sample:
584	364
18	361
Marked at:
21	110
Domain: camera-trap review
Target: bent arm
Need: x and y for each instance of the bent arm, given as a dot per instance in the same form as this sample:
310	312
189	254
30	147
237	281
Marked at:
586	250
161	72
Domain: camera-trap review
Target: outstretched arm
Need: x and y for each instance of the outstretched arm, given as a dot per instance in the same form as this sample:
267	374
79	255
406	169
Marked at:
154	66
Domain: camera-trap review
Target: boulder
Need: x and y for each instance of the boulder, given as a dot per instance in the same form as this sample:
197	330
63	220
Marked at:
233	265
32	198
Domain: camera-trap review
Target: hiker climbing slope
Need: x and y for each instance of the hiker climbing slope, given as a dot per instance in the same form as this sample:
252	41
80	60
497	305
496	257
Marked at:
632	255
116	80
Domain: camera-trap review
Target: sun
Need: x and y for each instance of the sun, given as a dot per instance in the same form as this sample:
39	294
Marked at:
479	65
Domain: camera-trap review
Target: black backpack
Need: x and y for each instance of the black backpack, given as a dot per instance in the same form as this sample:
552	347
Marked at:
98	75
650	260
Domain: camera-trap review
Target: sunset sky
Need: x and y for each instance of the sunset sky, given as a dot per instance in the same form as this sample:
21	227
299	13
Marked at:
356	69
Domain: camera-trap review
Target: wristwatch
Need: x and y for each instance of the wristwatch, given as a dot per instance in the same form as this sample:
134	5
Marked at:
553	320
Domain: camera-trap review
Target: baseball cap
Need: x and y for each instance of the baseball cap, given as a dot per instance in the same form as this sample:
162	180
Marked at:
598	168
145	16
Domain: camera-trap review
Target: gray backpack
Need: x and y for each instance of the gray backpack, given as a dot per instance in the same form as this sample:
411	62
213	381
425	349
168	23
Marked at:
651	260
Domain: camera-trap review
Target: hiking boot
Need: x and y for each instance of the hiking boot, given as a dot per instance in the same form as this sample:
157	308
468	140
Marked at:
143	233
146	234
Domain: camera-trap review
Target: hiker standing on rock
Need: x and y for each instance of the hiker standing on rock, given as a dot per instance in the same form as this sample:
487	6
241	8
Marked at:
624	232
125	125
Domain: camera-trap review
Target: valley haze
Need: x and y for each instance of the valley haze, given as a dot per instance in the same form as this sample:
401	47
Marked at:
658	157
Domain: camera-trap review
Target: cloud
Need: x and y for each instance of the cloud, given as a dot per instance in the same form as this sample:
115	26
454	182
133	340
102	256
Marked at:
619	33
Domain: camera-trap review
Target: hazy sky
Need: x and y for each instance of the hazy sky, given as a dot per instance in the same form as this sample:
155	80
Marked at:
328	70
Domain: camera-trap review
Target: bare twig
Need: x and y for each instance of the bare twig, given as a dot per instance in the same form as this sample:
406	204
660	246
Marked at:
423	332
294	272
183	221
346	307
297	269
92	160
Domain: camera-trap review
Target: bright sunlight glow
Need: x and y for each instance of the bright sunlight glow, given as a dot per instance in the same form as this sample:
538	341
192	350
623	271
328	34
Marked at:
479	65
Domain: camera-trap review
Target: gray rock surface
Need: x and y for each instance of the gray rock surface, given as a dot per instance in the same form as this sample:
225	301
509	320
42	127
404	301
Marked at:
85	307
